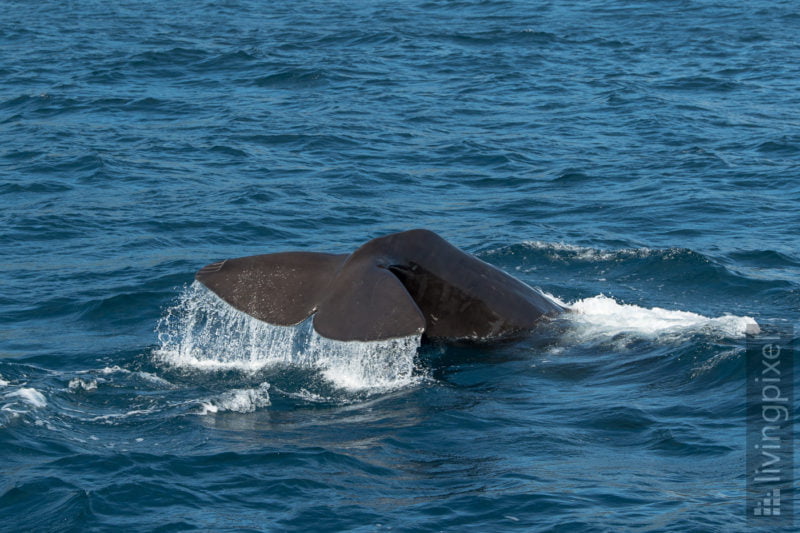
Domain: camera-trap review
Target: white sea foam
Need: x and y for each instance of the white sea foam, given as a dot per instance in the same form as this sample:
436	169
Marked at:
203	332
3	383
76	384
603	317
30	396
238	400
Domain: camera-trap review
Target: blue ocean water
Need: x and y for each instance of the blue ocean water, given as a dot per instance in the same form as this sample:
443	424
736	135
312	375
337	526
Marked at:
637	160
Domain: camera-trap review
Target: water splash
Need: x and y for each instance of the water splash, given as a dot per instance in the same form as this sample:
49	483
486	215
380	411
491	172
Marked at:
201	332
381	365
601	317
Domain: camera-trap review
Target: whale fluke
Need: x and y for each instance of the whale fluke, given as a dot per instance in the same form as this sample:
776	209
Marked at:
402	284
281	289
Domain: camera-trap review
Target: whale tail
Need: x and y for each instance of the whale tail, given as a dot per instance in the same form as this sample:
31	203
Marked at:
393	286
360	302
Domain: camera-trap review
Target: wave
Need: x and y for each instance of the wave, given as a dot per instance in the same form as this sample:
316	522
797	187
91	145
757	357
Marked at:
294	78
559	251
19	402
27	395
633	269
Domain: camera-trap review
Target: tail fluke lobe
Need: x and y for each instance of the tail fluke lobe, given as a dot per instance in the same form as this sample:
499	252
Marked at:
367	303
283	289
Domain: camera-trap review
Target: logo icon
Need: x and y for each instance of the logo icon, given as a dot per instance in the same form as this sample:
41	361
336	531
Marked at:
769	505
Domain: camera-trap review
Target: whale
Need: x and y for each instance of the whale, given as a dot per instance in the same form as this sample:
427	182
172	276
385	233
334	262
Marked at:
408	283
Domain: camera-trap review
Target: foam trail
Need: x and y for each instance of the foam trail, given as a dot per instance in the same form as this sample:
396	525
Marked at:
602	317
203	332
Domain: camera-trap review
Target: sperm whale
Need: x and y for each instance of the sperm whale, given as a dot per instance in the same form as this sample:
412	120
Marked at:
408	283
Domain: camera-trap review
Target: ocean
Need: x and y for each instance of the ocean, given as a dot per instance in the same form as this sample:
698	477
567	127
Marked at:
638	161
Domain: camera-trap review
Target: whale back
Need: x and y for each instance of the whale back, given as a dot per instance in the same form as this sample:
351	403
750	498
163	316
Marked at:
460	296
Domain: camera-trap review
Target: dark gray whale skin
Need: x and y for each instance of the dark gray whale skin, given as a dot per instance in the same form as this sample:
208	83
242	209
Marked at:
407	283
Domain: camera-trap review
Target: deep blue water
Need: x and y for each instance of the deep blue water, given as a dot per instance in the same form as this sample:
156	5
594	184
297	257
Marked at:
638	160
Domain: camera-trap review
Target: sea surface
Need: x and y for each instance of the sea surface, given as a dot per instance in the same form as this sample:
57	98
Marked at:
638	161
